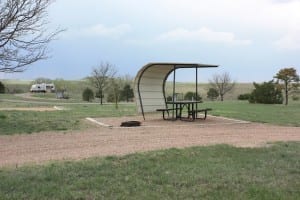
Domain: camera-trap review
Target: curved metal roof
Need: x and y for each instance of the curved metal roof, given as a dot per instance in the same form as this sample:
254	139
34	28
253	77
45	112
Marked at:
149	84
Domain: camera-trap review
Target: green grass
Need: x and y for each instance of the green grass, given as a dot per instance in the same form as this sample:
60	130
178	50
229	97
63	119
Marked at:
15	122
264	113
215	172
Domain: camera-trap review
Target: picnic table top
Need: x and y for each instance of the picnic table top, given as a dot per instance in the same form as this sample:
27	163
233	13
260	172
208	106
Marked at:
183	101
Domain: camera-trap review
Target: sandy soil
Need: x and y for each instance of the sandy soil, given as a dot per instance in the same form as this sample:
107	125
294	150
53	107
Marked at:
154	134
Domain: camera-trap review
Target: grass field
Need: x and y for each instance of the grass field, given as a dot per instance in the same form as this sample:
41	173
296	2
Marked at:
215	172
16	122
72	117
263	113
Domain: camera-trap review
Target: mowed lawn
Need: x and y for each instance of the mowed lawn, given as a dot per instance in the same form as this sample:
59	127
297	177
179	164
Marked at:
264	113
73	115
214	172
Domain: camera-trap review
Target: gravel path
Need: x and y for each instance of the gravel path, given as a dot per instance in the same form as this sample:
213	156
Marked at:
39	148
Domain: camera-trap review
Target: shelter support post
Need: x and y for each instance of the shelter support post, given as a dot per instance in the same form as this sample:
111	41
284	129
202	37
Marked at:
173	99
196	90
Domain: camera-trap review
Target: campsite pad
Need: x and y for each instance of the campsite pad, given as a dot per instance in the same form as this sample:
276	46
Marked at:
155	120
154	134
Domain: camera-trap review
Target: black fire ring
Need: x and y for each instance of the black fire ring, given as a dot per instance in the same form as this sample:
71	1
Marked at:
130	124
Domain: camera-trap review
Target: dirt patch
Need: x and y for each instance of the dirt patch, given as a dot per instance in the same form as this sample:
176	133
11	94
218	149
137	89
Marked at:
104	141
32	109
155	120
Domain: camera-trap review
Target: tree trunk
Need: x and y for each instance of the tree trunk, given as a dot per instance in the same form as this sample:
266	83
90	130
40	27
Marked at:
101	97
116	102
286	94
222	97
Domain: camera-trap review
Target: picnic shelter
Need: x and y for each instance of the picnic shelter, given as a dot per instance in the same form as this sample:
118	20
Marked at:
150	82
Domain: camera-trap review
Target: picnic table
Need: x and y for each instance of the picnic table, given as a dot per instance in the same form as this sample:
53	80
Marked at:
177	108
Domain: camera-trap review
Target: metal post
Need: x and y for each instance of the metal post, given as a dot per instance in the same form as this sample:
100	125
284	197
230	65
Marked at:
196	91
174	77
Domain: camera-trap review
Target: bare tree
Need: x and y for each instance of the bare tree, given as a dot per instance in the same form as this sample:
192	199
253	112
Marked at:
23	35
222	83
100	77
115	87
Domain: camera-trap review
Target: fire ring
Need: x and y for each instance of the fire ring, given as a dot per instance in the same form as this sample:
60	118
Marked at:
130	124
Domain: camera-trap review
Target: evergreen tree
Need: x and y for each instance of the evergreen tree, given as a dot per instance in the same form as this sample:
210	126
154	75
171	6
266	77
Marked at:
290	80
88	94
127	93
267	93
212	94
2	88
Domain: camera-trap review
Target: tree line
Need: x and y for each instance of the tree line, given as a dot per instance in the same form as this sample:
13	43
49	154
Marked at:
285	83
105	84
105	80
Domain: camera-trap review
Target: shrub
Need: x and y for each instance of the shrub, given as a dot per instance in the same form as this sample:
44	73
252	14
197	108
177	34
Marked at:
17	91
244	96
267	93
169	98
192	95
295	98
110	97
212	94
2	88
88	94
2	116
98	95
126	93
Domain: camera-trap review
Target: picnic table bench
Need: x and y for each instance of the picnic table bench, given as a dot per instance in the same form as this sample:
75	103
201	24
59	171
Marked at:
165	110
193	113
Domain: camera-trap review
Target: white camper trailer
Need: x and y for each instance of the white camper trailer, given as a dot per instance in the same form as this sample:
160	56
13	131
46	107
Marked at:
42	87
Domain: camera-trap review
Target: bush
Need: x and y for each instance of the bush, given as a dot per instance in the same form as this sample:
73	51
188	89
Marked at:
126	93
110	97
2	88
169	98
244	96
2	116
212	94
295	98
17	91
88	95
267	93
98	95
192	95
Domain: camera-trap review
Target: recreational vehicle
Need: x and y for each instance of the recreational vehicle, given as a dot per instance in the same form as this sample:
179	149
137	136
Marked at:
43	87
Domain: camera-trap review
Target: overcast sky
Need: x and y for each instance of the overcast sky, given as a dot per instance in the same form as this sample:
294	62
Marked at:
250	39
